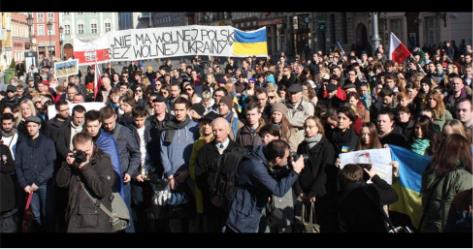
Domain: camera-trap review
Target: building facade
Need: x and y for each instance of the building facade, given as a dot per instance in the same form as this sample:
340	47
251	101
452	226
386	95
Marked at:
6	44
45	31
165	19
19	35
128	20
85	26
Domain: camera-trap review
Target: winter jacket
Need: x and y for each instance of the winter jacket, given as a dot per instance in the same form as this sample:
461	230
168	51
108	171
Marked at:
343	141
438	192
7	187
248	138
35	160
313	178
53	127
254	186
360	206
128	149
175	156
98	177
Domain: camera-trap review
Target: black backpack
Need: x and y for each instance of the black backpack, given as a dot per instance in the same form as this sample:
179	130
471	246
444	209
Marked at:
225	178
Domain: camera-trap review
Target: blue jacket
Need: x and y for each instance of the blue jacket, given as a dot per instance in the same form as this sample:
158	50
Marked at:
128	148
254	186
107	144
35	160
176	155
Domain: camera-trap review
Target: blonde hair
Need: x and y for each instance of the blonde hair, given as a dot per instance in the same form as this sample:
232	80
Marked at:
30	104
439	109
457	127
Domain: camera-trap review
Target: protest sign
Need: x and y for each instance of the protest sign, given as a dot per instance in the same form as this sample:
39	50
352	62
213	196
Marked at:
87	105
143	44
380	160
66	68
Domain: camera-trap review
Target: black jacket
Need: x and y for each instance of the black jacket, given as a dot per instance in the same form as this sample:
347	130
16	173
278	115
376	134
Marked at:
313	178
63	140
206	170
83	215
360	206
7	187
53	127
395	138
343	141
155	130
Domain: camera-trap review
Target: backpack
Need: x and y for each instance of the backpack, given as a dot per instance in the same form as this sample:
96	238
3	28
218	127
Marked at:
119	215
225	178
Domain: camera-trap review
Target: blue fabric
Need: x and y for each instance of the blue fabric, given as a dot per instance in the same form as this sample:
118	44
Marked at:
254	186
411	167
107	144
250	37
176	155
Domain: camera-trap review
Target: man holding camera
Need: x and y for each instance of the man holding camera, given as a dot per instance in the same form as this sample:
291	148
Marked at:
87	168
254	185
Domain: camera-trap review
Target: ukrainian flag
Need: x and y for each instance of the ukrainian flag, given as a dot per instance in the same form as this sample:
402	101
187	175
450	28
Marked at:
408	186
251	43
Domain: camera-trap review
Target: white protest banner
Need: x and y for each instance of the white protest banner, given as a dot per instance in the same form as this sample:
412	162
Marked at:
143	44
87	105
380	160
66	68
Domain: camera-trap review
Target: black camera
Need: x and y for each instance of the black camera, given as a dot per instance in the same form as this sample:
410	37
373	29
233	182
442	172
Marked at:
295	156
79	157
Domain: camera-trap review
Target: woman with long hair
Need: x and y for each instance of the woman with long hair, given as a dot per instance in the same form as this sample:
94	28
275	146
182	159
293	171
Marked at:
454	127
448	174
423	140
369	138
279	118
436	103
361	113
27	109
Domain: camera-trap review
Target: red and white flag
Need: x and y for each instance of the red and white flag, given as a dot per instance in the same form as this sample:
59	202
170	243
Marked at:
94	51
398	52
97	80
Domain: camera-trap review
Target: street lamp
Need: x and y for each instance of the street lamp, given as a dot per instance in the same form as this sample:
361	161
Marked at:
295	26
61	29
29	21
50	26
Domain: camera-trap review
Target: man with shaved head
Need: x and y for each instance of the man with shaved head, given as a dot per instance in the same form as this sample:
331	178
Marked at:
208	164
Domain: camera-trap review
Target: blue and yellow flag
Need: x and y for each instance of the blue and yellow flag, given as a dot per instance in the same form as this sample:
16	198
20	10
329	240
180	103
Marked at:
250	43
408	186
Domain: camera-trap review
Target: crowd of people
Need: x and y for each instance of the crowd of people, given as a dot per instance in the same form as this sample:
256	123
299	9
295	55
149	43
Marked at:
242	145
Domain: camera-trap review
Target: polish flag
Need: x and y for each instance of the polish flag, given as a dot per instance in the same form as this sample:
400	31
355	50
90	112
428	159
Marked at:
89	52
97	80
398	52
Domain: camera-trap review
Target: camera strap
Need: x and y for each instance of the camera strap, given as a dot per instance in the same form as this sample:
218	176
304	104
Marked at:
104	209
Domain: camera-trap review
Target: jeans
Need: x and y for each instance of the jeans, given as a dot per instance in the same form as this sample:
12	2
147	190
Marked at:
127	190
42	206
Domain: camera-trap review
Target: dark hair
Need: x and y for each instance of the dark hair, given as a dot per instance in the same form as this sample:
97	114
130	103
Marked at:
348	112
224	90
252	105
59	104
274	149
139	111
107	112
272	129
464	100
78	108
427	127
374	138
386	92
404	109
351	173
8	116
387	112
181	100
92	115
81	137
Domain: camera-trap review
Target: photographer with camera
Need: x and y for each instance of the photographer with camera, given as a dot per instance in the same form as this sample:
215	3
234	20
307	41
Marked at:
87	168
254	185
313	185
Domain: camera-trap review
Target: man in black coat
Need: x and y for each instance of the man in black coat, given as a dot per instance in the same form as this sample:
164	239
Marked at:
206	172
68	130
95	175
53	126
8	203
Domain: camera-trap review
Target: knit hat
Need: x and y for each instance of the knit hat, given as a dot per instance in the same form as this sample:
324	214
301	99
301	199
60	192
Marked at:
199	108
280	107
228	101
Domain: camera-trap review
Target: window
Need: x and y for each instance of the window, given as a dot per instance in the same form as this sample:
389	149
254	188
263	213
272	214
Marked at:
50	17
332	28
40	17
80	29
67	29
108	27
395	25
51	31
429	33
93	28
40	29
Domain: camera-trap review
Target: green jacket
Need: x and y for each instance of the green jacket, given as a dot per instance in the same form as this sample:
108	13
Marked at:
438	193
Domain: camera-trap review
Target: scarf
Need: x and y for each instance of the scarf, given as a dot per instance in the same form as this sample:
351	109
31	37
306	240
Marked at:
420	145
314	140
12	133
172	126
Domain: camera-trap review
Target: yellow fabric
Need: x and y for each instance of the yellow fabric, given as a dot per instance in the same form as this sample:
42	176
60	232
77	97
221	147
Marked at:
250	49
199	201
409	203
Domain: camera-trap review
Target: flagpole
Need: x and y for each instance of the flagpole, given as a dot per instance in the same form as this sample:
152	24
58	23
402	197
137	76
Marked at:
410	55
